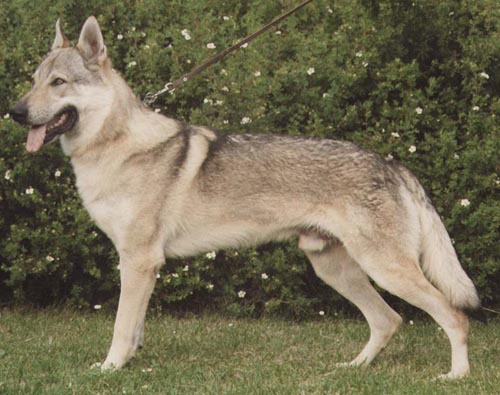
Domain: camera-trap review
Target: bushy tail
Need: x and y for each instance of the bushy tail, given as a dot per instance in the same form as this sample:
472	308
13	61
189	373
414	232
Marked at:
440	263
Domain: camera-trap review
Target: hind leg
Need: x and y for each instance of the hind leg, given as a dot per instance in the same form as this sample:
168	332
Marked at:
335	267
401	275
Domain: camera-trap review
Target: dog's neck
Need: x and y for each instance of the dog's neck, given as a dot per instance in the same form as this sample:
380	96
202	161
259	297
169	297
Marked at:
116	116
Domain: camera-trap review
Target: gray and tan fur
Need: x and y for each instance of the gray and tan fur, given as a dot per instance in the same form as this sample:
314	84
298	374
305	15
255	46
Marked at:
160	188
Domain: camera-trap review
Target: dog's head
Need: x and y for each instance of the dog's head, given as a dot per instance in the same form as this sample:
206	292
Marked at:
69	89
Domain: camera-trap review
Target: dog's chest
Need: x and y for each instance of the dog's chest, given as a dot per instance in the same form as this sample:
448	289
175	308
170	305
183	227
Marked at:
105	201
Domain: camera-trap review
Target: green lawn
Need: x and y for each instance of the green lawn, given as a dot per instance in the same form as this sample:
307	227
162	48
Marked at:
50	352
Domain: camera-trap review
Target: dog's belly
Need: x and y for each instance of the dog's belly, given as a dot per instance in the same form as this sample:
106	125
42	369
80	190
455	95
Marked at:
217	237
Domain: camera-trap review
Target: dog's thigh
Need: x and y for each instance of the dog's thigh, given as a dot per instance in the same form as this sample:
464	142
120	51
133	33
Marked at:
338	269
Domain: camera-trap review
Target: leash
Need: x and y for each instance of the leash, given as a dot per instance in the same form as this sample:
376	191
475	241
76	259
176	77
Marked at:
170	87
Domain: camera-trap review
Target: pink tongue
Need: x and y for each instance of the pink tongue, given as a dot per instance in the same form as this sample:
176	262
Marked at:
36	137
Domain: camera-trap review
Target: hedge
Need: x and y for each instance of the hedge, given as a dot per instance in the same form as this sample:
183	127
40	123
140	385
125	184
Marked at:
416	81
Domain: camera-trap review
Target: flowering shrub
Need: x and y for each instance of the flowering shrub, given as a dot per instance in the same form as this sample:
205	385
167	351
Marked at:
414	81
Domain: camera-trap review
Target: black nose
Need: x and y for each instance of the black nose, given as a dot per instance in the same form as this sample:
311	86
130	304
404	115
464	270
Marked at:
20	112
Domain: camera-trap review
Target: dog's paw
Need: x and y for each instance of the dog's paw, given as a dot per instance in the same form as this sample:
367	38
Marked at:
103	367
452	375
360	360
108	366
96	365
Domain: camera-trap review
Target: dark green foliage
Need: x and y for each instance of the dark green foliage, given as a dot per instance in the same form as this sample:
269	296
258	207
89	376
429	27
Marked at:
416	81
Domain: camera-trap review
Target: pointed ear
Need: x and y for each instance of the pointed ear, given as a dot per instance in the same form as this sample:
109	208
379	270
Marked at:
91	43
61	41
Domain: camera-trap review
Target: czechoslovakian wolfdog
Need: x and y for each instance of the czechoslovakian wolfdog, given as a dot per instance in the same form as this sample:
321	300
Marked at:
161	188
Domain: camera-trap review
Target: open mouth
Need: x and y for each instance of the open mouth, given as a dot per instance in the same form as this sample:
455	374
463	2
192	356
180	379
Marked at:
62	122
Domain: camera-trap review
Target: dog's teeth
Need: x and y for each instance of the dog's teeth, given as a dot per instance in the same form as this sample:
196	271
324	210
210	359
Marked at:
60	121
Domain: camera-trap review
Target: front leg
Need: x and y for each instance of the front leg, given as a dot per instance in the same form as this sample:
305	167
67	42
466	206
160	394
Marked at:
137	283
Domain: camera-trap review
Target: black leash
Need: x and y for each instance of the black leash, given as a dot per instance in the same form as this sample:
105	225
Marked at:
170	87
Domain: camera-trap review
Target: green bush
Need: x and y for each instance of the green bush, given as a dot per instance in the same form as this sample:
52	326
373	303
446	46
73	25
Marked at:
415	81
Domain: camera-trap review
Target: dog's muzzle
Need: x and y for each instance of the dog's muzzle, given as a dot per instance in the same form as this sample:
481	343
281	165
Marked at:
45	133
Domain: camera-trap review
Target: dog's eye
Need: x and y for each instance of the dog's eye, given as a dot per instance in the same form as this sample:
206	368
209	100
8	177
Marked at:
58	81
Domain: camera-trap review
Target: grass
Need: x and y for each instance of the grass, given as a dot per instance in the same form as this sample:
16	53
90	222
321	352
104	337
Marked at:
50	352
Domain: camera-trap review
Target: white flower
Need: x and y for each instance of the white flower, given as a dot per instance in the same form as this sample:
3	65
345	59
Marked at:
419	110
230	325
241	294
206	100
175	275
133	63
148	370
211	46
311	71
225	122
412	149
411	322
277	32
223	72
6	116
49	258
264	276
389	157
225	17
475	108
245	120
330	11
133	28
210	287
456	156
30	191
484	75
321	313
185	268
119	36
244	45
157	275
365	64
143	34
225	89
325	95
257	73
157	110
359	54
211	255
7	175
57	173
465	202
219	102
395	134
185	34
97	307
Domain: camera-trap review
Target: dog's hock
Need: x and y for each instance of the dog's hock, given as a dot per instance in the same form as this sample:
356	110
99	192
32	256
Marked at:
91	43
